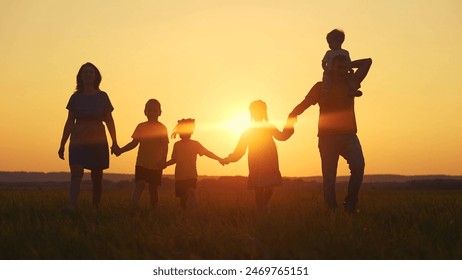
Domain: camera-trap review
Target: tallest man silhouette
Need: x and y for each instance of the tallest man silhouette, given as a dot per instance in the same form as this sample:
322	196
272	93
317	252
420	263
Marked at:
337	128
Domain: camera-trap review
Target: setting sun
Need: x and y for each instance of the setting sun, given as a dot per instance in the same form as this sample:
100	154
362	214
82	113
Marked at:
236	123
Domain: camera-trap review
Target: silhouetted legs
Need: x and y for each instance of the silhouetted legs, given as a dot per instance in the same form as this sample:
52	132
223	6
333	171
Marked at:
153	195
185	190
188	199
97	181
76	180
354	156
347	146
139	186
262	197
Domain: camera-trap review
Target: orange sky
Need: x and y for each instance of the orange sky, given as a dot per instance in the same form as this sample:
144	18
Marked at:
209	59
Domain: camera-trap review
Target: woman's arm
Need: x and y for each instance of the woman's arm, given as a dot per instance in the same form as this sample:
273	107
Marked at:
66	133
112	131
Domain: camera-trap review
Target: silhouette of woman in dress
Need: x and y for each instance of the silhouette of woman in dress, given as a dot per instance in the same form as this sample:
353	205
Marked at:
89	108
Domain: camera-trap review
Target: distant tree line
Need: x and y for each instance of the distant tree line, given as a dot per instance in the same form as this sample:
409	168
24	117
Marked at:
233	181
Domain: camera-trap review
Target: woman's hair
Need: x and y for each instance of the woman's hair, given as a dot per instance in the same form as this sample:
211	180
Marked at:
79	79
184	127
258	111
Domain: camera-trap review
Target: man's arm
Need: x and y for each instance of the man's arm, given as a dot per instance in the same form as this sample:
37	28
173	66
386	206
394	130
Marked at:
310	99
363	66
300	108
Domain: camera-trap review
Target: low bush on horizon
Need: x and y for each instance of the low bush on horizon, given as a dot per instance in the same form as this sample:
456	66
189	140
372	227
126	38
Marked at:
393	224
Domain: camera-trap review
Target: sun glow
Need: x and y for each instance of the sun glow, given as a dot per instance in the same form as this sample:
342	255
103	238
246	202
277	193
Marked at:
236	123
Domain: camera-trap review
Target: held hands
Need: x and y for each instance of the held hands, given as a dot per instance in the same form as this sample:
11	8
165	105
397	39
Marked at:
164	165
224	161
289	126
291	120
115	150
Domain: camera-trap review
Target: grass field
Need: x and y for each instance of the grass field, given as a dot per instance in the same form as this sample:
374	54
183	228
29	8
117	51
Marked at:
393	224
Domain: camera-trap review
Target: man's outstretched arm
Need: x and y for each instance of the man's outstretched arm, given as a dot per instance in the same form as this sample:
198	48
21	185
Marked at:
300	108
310	99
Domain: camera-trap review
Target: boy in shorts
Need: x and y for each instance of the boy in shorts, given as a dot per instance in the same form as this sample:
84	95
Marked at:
152	138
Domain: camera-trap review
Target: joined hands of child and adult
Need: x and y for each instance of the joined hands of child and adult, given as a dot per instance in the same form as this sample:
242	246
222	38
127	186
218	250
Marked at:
115	150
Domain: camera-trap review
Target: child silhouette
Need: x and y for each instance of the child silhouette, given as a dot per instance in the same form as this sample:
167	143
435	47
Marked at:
184	155
335	39
264	172
152	138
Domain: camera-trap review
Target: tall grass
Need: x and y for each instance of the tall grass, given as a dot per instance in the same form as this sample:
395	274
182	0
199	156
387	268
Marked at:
393	224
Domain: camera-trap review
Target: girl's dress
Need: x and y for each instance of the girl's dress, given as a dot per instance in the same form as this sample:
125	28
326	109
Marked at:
263	156
88	142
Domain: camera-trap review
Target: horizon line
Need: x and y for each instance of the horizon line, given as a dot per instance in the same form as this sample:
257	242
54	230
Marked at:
239	175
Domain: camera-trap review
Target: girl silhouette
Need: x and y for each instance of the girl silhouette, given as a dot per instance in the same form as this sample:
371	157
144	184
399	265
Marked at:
184	155
264	172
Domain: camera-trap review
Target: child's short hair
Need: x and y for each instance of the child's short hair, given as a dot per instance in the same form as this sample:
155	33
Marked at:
258	111
184	127
153	102
336	33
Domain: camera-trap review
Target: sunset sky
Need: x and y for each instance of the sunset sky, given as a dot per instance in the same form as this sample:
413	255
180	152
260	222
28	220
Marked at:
209	59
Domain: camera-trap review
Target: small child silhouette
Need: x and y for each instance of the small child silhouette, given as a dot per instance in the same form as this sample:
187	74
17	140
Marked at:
264	172
152	138
184	155
335	39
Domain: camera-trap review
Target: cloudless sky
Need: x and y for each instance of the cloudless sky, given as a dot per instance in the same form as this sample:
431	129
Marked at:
209	59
